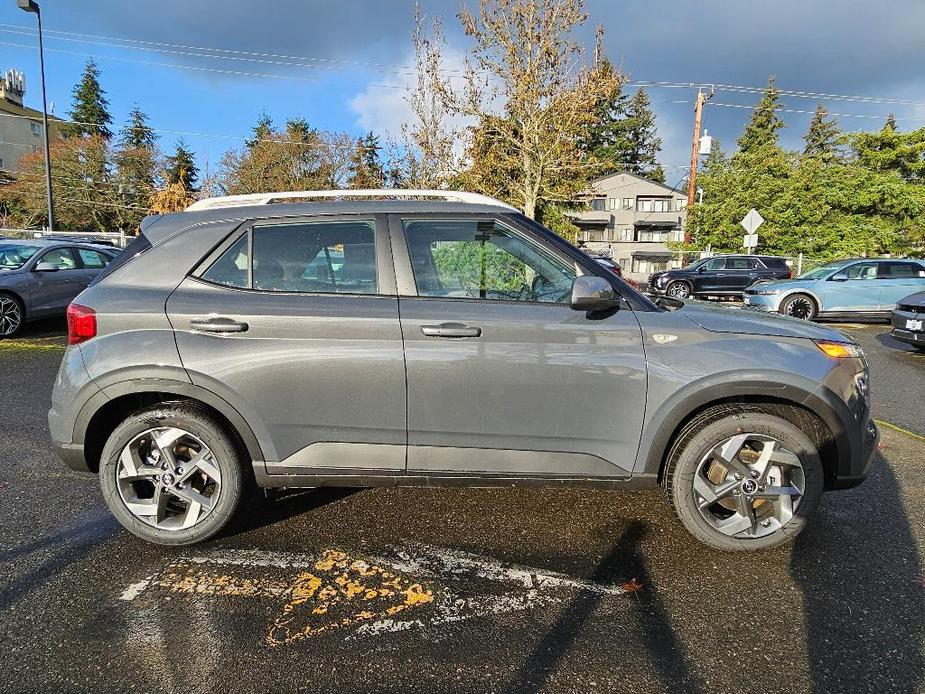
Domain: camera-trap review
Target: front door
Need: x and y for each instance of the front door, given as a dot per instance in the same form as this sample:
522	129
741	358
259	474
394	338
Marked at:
296	325
711	276
504	378
859	291
53	290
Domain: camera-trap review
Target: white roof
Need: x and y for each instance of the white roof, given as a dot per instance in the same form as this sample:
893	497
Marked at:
395	194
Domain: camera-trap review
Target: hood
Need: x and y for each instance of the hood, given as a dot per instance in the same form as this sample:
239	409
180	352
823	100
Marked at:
784	285
720	319
917	300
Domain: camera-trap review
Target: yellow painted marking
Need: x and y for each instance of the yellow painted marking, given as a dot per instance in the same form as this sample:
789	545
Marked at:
23	346
339	591
898	428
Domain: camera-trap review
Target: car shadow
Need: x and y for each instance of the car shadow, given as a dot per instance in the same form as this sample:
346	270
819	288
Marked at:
273	506
664	648
891	343
866	549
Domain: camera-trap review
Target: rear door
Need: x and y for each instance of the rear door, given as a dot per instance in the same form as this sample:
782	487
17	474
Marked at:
91	262
899	278
740	272
53	290
295	323
504	378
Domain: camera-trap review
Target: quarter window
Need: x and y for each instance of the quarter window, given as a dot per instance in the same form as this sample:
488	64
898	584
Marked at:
481	259
901	270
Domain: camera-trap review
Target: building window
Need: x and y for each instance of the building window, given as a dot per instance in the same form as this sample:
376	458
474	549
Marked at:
595	236
646	266
626	234
36	129
682	204
627	203
610	234
598	204
613	204
1	164
653	205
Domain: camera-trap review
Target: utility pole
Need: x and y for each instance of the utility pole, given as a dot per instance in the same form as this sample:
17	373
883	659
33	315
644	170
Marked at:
695	156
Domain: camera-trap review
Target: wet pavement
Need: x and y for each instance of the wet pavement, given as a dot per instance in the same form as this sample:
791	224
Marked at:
455	590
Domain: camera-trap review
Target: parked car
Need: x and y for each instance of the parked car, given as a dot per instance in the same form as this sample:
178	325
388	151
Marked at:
721	275
908	318
858	288
39	278
453	342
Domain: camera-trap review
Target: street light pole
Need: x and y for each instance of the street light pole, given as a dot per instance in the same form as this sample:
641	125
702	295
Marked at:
32	6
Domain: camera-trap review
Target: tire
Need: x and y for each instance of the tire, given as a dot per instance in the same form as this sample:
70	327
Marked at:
775	519
678	290
12	315
799	306
218	484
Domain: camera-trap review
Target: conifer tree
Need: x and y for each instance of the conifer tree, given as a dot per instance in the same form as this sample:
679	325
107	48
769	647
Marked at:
181	168
90	109
822	136
761	130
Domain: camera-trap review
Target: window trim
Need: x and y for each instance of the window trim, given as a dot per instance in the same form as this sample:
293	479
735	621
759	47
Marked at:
385	272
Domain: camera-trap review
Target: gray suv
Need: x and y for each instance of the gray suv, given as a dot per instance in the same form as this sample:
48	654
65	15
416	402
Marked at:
436	338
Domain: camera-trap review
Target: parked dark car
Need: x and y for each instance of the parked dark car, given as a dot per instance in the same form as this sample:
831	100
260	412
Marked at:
721	275
908	320
442	339
40	277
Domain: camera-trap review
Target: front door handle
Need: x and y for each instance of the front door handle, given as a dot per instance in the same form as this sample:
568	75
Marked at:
451	330
218	324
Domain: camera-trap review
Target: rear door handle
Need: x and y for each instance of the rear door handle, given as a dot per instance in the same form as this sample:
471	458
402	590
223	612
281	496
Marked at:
218	324
451	330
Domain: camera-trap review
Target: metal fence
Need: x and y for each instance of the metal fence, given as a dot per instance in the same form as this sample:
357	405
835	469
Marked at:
117	238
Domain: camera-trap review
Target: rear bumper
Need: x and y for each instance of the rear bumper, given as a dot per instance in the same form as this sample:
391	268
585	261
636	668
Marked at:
901	327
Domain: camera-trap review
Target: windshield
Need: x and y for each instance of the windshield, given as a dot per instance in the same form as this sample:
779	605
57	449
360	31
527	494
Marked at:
15	256
820	272
696	264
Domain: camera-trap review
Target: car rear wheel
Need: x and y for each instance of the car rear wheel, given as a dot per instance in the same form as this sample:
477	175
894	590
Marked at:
12	315
745	481
172	475
678	290
799	306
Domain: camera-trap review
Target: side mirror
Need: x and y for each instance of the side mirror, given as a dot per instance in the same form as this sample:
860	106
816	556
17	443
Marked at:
45	267
839	277
591	293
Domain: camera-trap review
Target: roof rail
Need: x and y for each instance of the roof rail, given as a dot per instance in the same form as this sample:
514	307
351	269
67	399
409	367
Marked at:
397	194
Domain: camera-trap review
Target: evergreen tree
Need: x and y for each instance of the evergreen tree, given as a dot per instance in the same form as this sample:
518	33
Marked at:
263	131
365	165
822	136
137	134
136	169
181	167
642	143
762	129
606	137
90	110
890	122
890	150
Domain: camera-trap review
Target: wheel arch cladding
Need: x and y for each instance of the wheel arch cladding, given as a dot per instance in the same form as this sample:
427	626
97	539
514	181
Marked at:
800	408
96	423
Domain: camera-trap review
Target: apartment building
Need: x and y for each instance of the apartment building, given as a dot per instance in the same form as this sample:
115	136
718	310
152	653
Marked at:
20	126
631	219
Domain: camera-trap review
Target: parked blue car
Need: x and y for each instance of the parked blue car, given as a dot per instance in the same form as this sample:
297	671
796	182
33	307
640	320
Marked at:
39	278
857	288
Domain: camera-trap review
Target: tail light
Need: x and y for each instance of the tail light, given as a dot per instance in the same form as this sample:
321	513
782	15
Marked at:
789	275
81	324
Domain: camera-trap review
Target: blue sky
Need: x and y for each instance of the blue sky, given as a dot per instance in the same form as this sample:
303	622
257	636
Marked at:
847	48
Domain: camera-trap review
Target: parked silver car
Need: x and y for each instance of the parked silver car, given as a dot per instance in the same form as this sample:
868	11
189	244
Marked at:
39	278
444	339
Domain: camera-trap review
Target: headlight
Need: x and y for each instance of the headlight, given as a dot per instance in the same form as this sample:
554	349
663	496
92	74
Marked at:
659	281
767	292
840	350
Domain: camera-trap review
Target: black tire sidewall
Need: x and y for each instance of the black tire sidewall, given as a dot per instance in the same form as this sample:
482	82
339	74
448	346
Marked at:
227	458
697	446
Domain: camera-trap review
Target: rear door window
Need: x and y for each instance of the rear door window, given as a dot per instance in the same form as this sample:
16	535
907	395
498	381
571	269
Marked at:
739	264
329	257
898	270
92	260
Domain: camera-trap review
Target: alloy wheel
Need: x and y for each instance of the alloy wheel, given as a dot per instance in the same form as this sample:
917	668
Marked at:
800	307
749	486
679	290
10	316
168	478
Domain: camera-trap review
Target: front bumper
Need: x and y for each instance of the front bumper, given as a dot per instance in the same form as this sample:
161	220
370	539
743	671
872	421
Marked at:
862	456
763	302
909	327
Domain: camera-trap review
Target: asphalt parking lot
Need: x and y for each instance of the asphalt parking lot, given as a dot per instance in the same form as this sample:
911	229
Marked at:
458	590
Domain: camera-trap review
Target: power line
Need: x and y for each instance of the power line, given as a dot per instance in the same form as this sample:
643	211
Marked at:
796	110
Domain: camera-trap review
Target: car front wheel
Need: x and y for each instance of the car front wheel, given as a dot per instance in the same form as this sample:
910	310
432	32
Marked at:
172	475
799	306
743	481
678	290
11	315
